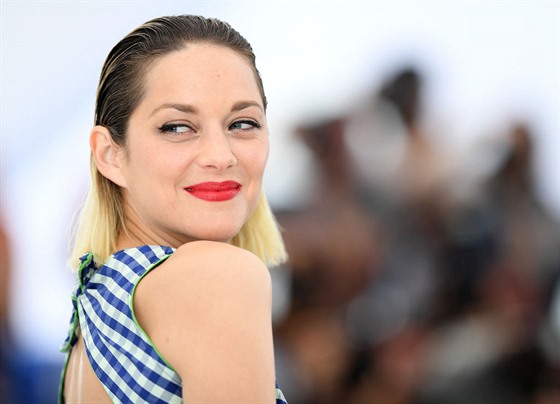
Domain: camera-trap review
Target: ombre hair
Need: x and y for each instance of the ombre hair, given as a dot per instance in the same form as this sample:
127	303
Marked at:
120	91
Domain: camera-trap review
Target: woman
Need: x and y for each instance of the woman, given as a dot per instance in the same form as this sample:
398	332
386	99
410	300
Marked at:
174	298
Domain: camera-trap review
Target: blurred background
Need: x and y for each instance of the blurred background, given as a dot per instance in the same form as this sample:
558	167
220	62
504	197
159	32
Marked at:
414	168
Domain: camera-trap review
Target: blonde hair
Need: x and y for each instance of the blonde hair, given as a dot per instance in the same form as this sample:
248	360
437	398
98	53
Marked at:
102	220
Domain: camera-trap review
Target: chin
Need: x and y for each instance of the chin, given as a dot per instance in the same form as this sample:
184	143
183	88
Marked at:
223	235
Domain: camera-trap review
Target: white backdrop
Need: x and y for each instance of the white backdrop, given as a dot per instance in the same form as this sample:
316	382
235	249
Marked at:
485	63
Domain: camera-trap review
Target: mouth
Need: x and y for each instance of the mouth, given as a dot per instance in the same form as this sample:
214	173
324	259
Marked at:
214	191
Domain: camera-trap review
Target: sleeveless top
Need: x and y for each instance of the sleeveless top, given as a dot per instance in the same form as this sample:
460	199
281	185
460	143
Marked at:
123	357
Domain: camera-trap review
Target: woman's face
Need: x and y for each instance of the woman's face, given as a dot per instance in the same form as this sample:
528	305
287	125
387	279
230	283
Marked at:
197	148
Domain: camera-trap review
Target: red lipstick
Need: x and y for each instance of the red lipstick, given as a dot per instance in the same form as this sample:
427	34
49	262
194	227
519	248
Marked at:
214	191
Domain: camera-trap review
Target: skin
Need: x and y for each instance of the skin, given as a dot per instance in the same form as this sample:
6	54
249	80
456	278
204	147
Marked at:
213	323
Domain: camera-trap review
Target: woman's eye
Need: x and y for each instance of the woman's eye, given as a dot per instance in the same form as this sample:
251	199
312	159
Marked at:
244	125
174	128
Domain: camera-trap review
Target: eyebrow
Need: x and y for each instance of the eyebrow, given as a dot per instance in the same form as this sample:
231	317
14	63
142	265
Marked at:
190	109
241	105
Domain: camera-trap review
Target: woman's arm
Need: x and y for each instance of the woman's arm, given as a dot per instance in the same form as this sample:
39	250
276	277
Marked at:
208	311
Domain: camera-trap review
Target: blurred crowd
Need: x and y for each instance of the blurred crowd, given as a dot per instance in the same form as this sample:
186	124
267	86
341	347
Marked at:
411	279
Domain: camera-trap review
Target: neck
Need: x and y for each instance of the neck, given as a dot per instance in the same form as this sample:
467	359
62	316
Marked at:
136	233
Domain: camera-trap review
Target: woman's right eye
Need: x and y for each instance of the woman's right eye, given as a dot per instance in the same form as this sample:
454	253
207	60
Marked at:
175	128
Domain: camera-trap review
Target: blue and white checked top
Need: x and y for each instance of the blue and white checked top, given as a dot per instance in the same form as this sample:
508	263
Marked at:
123	357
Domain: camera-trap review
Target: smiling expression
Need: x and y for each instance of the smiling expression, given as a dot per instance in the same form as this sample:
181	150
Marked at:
196	148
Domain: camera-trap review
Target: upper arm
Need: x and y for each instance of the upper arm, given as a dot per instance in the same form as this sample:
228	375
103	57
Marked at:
208	311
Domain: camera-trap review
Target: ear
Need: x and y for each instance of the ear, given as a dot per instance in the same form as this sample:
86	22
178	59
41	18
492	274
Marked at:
108	156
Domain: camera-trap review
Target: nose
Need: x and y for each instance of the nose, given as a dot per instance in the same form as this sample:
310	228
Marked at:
216	151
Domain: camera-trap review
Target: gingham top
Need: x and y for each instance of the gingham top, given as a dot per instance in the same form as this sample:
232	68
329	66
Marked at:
122	355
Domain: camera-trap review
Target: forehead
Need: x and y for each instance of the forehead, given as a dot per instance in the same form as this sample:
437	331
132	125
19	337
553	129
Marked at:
200	71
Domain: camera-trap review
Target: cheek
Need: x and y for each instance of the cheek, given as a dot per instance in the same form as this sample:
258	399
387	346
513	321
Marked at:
258	158
160	162
258	164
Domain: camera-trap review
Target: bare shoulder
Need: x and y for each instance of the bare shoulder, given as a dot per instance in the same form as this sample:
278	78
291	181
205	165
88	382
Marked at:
210	267
206	273
209	258
208	311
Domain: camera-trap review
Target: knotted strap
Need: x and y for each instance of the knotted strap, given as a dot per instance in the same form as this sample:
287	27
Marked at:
85	272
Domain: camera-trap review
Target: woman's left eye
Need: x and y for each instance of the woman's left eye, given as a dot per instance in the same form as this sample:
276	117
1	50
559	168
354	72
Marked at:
244	125
175	128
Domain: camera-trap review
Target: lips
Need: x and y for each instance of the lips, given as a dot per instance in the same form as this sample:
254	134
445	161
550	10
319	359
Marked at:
214	191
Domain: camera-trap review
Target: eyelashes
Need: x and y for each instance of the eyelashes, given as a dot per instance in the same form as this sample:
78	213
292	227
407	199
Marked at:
175	128
245	124
242	125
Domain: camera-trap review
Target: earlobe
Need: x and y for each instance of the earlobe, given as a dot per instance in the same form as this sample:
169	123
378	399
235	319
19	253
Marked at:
107	155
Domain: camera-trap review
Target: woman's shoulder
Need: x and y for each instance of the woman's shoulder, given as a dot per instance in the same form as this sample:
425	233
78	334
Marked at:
214	252
208	309
213	266
199	280
200	277
210	261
